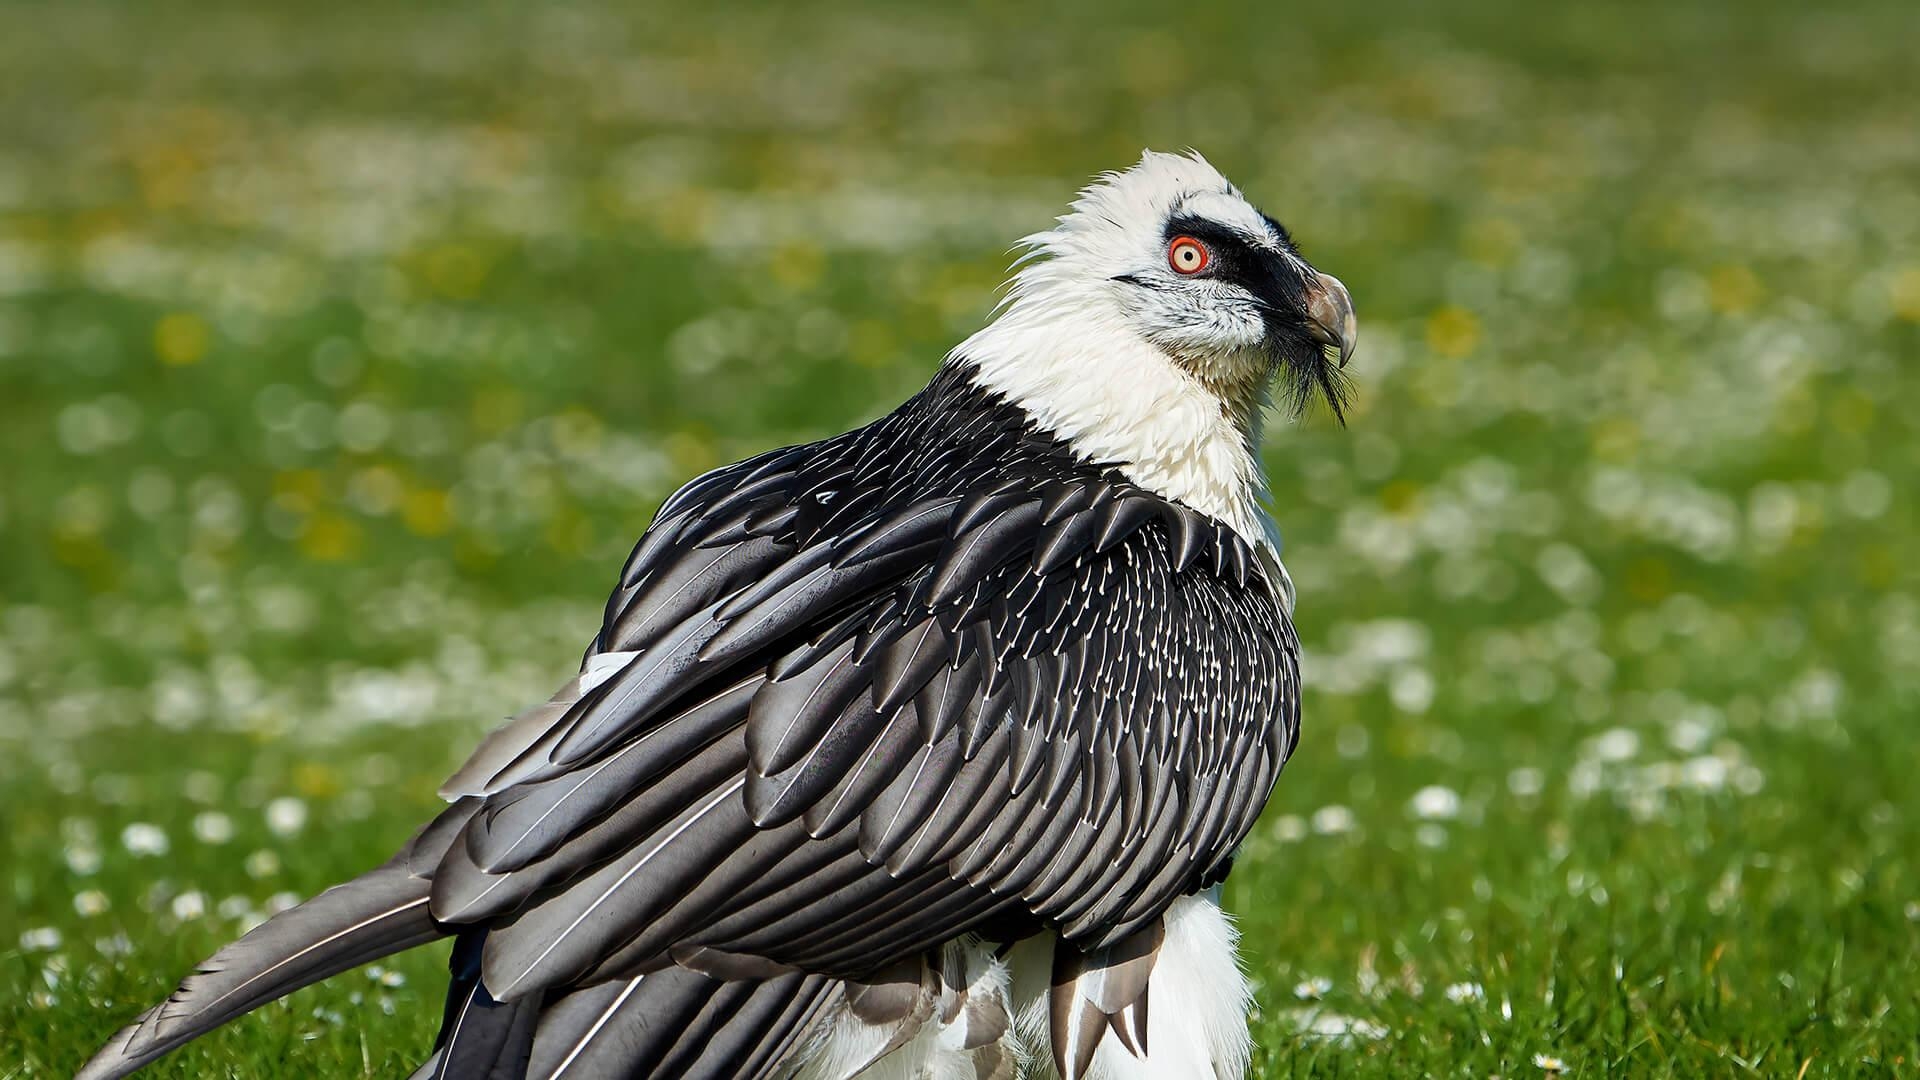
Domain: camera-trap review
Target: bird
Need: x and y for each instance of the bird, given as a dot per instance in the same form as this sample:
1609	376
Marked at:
918	751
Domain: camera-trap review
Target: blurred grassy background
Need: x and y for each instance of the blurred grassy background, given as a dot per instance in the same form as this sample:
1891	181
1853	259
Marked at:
345	350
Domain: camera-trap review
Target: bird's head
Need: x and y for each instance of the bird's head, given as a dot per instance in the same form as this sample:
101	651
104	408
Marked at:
1216	284
1150	324
1177	255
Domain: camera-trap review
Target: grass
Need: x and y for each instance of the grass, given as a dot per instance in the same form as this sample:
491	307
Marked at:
343	352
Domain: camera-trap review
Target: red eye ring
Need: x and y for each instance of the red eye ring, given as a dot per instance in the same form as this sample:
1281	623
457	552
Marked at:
1187	255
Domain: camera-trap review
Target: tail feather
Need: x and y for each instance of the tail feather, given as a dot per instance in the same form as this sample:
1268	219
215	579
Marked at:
481	1037
378	913
675	1022
1104	990
782	1040
381	912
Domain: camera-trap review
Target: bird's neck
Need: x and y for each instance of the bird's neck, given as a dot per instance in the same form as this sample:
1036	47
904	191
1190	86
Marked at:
1116	399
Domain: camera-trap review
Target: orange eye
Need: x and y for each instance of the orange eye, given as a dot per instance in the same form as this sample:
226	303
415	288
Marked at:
1187	255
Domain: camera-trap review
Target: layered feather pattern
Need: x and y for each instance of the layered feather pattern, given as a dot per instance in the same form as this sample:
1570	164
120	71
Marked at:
849	701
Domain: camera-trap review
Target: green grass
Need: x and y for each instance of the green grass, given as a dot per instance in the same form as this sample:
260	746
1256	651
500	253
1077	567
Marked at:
343	354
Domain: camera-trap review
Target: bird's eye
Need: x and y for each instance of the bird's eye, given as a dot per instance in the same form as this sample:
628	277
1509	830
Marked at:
1187	255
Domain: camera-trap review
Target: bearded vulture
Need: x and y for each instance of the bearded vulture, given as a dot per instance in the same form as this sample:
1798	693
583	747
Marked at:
919	751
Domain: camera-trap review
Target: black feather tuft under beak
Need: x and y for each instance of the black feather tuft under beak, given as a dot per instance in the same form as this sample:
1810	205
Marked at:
1314	343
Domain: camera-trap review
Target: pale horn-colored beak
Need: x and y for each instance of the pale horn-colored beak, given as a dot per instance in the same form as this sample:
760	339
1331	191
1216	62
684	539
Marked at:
1330	311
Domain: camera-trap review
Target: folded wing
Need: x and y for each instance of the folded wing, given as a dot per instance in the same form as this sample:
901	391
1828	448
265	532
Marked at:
823	730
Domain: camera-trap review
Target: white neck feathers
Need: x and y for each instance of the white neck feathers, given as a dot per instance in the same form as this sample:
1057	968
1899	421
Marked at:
1089	379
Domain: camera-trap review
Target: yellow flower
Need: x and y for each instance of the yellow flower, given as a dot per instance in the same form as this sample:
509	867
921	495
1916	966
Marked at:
1733	290
426	512
1453	331
1905	293
330	538
180	338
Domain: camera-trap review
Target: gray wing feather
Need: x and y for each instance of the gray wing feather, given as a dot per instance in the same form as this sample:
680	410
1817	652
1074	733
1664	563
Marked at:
481	1036
678	1023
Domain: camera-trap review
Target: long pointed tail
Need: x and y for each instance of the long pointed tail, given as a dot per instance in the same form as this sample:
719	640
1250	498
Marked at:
376	914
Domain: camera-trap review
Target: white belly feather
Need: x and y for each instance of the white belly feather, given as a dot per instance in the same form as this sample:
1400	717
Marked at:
1196	1020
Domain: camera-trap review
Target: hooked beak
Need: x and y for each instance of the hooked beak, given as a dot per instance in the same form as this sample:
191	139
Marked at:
1330	315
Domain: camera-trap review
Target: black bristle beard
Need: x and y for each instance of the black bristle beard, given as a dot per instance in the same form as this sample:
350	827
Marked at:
1305	373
